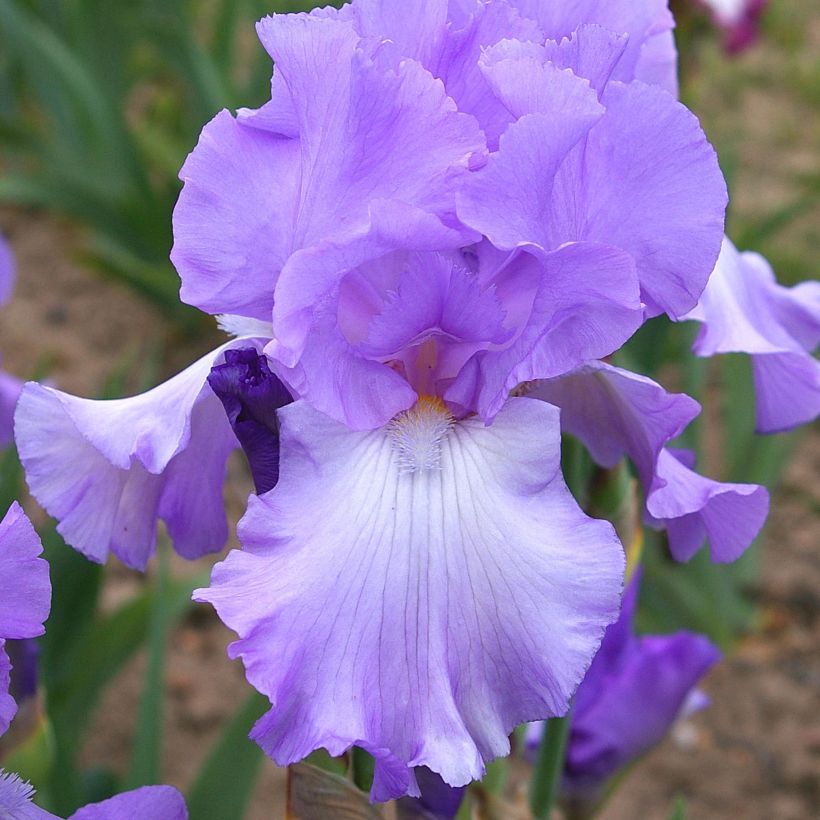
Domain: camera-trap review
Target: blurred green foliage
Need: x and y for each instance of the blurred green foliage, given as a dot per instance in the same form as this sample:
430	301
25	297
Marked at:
99	104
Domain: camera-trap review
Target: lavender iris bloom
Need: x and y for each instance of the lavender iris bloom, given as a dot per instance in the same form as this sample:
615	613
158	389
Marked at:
636	688
441	202
155	802
25	595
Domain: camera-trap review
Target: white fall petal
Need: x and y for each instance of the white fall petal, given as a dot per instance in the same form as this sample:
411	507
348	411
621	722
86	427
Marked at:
417	590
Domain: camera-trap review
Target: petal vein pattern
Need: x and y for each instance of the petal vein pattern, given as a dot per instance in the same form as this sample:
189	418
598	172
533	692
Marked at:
419	613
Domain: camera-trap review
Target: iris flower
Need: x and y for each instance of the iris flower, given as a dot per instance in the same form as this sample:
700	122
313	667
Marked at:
446	215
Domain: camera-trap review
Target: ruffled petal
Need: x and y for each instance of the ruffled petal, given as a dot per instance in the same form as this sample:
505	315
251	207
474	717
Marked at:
155	802
586	300
109	470
745	310
378	145
510	200
653	187
694	509
9	393
645	22
617	413
417	590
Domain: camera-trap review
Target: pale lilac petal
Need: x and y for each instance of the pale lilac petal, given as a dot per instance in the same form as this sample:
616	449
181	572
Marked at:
641	177
232	223
376	145
586	300
7	271
616	413
16	800
474	585
109	470
25	590
510	200
694	509
644	21
25	594
745	310
592	52
459	63
787	389
146	803
651	186
9	393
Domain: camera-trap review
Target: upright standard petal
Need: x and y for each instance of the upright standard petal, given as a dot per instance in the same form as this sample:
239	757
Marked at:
369	171
650	52
617	413
745	310
25	594
109	470
634	172
148	802
417	590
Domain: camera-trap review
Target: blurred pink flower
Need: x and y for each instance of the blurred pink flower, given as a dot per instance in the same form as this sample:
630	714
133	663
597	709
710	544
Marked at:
739	20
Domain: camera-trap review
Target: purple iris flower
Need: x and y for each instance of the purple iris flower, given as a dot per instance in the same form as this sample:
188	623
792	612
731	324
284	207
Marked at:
636	688
442	203
25	595
155	802
745	310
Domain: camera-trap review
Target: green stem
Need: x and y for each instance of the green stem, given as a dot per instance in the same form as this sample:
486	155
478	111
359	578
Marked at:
547	776
146	757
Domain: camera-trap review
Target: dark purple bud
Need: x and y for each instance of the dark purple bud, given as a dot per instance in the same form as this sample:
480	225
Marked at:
438	801
251	394
24	655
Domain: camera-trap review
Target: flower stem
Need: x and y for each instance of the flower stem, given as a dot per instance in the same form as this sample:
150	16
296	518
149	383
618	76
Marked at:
547	776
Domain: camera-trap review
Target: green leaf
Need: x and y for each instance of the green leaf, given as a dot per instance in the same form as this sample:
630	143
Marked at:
147	747
107	645
224	784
